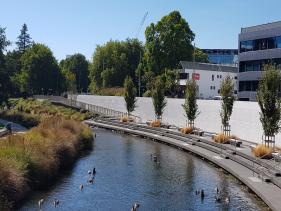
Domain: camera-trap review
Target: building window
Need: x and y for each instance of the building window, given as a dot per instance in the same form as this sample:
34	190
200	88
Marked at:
213	77
260	44
220	76
235	77
251	86
278	42
184	75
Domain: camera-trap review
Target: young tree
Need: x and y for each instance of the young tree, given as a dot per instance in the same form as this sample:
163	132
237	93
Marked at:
190	105
130	95
227	94
269	102
158	98
24	39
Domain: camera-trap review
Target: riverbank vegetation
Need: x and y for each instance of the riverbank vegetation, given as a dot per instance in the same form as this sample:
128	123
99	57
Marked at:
30	113
33	160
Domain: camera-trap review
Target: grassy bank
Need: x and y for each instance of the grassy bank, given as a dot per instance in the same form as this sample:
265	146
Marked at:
30	113
33	160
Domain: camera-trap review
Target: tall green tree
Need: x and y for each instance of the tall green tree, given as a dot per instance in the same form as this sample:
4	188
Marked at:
269	101
130	94
158	98
114	61
79	66
228	98
167	43
200	56
40	71
24	40
190	104
4	77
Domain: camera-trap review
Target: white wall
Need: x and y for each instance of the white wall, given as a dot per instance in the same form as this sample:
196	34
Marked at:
244	121
205	82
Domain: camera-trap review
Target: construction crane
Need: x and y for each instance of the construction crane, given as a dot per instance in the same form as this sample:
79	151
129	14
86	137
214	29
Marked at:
141	24
137	35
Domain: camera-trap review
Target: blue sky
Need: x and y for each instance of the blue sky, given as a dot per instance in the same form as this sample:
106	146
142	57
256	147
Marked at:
69	26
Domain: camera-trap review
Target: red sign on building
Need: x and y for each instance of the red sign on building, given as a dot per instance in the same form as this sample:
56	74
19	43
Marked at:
196	76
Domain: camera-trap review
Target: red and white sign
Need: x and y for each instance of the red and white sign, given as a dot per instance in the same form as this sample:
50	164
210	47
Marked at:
196	76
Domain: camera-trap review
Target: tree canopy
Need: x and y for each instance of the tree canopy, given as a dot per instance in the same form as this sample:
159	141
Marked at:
24	40
79	66
114	61
4	77
40	71
200	56
167	43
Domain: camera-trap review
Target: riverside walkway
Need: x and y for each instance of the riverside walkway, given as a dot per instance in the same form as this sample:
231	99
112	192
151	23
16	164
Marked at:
262	177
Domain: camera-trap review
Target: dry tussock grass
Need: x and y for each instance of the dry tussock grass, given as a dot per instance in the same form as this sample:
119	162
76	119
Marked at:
262	151
221	139
156	123
186	130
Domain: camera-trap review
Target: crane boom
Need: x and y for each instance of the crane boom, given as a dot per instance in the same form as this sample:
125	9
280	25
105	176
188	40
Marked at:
141	24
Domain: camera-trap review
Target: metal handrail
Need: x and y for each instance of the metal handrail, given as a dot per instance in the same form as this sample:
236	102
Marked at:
86	106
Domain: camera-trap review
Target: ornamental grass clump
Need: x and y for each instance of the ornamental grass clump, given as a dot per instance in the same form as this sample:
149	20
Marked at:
156	123
186	130
33	160
221	139
262	151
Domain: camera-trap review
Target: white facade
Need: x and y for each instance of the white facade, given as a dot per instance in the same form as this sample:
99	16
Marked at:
208	81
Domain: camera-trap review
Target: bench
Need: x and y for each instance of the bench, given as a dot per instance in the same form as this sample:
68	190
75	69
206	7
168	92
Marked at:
277	156
198	132
235	143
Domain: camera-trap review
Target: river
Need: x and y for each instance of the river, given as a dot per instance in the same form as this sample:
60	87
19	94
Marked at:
126	174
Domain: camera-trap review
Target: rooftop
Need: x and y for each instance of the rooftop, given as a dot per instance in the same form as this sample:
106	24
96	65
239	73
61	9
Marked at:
208	67
266	26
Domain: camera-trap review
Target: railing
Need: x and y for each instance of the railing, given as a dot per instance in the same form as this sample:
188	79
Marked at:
106	112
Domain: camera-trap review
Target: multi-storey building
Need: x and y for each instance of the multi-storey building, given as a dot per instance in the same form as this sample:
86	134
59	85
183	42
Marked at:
258	45
222	56
208	77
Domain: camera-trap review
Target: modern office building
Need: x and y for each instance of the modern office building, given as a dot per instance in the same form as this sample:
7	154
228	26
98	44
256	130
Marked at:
208	77
222	56
258	45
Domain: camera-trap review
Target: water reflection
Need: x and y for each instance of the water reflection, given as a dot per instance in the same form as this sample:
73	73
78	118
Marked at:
126	174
